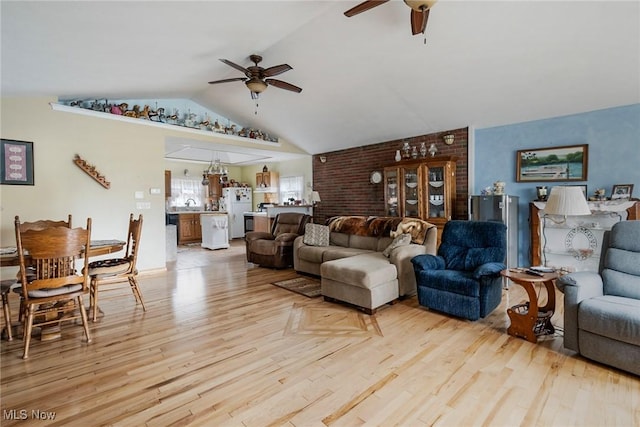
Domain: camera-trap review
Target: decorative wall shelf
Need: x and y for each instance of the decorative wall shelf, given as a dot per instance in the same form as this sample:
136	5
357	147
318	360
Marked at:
91	171
219	136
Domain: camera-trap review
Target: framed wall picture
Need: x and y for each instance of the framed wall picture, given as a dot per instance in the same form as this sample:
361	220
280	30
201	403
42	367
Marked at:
621	191
16	162
567	163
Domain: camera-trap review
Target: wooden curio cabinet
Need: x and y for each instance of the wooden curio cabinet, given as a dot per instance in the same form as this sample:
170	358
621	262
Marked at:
424	189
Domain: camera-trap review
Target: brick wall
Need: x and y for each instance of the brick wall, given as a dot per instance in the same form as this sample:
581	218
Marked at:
343	180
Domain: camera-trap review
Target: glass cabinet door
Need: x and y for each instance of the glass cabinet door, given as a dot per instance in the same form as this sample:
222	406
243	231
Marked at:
391	192
411	193
436	192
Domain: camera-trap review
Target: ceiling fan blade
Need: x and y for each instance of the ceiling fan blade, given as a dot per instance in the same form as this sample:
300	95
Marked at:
236	79
363	7
236	66
275	70
419	20
283	85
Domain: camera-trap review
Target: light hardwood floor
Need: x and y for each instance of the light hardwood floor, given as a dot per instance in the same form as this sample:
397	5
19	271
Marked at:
220	345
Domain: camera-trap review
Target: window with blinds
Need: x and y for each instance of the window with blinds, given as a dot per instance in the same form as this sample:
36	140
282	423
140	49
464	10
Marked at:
291	187
183	189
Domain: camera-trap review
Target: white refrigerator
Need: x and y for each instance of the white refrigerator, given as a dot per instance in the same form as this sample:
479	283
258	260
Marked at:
236	201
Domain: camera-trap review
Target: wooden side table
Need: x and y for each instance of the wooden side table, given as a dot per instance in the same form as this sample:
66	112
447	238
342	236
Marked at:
529	320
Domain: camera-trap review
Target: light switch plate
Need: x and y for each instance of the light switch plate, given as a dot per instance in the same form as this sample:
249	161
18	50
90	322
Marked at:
139	195
143	205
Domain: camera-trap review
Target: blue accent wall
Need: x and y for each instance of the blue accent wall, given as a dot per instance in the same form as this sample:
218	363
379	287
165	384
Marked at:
613	136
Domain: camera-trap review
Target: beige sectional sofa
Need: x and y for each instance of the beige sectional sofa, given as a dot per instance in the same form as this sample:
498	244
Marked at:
353	266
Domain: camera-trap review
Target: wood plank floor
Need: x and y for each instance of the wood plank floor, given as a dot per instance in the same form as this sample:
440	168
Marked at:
220	345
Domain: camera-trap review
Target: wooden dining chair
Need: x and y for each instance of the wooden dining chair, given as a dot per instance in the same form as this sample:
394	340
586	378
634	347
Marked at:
118	270
40	224
48	278
5	289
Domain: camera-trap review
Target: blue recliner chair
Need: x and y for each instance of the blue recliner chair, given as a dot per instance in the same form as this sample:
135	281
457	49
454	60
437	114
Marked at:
464	278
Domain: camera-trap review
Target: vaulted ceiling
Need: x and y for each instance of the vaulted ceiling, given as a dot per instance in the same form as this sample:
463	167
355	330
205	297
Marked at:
365	79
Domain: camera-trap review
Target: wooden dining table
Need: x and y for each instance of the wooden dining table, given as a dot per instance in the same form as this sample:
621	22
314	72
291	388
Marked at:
9	255
9	258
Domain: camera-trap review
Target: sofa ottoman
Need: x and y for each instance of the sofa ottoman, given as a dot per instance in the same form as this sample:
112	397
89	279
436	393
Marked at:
367	281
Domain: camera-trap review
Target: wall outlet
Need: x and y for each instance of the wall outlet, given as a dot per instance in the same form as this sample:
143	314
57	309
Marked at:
154	191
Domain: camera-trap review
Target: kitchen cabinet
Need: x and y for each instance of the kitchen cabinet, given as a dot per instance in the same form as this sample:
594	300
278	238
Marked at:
574	243
167	184
215	188
267	179
189	228
424	189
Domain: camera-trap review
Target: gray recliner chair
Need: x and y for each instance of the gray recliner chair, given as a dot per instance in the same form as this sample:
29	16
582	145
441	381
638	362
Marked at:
602	310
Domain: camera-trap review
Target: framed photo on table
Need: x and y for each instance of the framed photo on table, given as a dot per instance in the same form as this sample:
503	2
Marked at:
621	191
567	163
16	162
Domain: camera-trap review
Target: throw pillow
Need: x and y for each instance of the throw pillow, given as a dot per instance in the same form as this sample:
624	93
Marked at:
316	235
401	240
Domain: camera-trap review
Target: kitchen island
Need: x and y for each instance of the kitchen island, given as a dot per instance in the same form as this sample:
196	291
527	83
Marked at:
262	221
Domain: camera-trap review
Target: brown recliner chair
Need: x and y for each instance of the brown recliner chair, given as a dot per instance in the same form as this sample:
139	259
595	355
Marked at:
275	249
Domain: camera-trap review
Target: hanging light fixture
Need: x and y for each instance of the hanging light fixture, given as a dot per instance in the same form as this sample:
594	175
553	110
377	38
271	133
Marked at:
215	168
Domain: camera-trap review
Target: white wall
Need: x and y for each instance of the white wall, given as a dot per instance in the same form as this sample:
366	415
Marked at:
298	167
131	157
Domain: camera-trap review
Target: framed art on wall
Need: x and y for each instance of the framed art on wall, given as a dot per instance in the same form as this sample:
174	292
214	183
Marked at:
567	163
16	162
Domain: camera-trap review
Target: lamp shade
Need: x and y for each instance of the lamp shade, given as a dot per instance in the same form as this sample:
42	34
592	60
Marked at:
315	197
567	200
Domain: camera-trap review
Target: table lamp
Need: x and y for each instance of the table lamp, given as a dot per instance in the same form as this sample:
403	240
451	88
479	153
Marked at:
563	201
315	197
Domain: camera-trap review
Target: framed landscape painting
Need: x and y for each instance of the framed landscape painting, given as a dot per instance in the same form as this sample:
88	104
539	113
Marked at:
16	162
567	163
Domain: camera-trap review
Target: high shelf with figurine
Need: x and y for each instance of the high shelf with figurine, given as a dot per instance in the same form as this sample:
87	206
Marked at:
574	243
424	189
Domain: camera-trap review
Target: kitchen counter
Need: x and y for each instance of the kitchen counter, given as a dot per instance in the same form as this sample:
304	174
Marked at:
272	211
189	223
262	221
198	212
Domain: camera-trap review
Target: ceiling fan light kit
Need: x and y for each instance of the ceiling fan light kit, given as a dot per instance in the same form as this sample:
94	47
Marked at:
419	5
419	12
256	85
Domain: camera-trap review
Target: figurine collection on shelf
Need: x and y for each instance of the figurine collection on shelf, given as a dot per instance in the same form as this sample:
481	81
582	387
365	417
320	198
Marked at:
160	115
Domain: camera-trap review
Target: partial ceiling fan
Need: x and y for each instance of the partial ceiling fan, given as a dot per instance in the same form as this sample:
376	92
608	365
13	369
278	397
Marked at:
419	12
257	78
